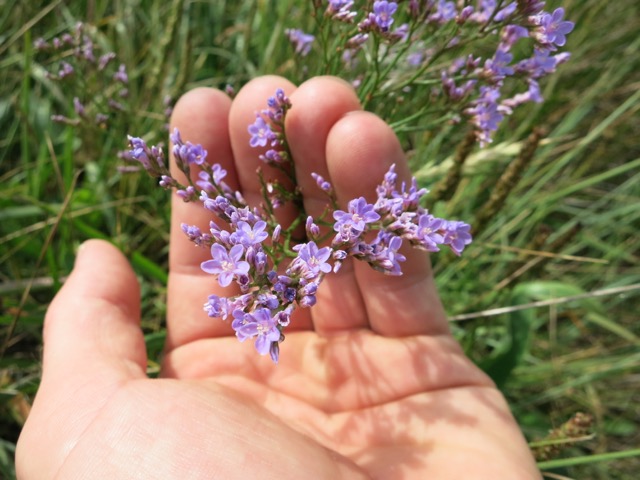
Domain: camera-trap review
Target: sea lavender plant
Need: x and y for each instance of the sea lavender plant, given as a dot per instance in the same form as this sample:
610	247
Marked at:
101	83
387	49
469	62
276	275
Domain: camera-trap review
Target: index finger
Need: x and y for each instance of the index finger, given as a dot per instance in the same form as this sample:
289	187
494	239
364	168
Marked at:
202	117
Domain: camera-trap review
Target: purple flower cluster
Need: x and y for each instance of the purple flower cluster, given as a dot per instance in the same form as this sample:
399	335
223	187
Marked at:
268	129
84	61
249	252
395	216
268	298
484	89
516	21
340	10
301	41
379	21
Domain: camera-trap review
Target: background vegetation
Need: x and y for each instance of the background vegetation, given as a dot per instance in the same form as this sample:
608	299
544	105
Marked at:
566	235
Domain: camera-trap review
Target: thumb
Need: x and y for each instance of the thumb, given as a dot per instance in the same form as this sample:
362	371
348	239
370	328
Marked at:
92	345
92	326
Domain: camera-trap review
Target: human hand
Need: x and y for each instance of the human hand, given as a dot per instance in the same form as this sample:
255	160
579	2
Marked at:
370	382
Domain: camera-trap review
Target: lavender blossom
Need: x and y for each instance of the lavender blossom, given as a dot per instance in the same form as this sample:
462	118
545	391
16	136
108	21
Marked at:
121	75
445	12
457	236
383	14
311	260
226	264
65	70
300	40
250	236
486	114
261	133
79	107
359	214
186	153
428	232
322	183
259	324
552	29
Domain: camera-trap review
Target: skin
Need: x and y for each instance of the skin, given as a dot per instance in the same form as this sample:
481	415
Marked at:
370	383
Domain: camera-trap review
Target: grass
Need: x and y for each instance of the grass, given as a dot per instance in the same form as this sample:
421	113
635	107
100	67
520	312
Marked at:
567	228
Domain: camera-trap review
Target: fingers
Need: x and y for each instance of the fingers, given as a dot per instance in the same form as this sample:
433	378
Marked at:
93	324
318	105
251	99
360	149
202	117
328	135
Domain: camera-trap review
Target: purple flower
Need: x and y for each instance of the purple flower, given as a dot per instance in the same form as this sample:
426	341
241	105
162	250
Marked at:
274	352
457	236
186	153
249	236
552	29
486	113
321	182
272	156
541	64
445	12
510	35
360	213
261	133
339	10
484	11
311	261
87	49
140	152
217	307
407	199
428	232
258	324
356	41
192	232
65	70
104	60
337	5
121	75
531	95
382	254
496	68
506	12
383	12
301	41
78	107
225	263
40	44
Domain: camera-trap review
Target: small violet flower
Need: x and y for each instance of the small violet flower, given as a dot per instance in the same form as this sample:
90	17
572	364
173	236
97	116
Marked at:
300	40
311	261
359	214
226	264
258	323
383	14
249	236
552	29
457	235
261	133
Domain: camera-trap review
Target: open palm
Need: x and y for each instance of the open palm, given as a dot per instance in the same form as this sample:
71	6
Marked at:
370	382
